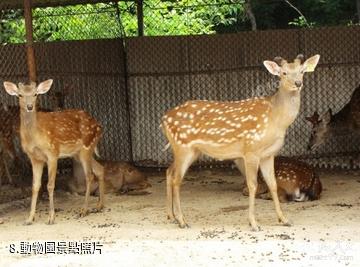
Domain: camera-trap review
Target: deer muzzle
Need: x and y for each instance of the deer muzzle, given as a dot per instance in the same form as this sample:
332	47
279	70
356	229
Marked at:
29	107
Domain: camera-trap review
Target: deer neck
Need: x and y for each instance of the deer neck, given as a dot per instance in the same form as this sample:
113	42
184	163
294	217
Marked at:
286	106
340	123
28	121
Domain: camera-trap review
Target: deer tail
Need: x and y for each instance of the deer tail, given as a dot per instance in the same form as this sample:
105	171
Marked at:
97	152
166	147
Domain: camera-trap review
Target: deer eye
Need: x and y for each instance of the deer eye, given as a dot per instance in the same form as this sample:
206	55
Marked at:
284	73
20	95
35	94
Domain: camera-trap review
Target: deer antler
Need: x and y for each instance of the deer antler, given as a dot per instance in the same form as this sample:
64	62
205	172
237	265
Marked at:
300	58
280	61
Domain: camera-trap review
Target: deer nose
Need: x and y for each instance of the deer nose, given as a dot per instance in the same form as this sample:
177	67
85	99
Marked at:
298	83
29	107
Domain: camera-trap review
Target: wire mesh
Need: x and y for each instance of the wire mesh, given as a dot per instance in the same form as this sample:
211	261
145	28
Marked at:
166	71
87	74
128	84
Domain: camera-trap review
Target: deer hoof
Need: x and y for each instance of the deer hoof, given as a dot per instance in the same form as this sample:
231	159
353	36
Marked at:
96	210
28	222
50	222
171	218
83	213
51	219
99	206
288	223
183	225
255	228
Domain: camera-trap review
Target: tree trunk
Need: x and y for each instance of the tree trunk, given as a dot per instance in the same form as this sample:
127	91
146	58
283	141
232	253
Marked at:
251	15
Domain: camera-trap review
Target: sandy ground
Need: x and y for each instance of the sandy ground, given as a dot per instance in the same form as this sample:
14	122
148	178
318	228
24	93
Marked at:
134	229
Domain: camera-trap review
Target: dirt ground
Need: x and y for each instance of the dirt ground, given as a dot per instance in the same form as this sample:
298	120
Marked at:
133	230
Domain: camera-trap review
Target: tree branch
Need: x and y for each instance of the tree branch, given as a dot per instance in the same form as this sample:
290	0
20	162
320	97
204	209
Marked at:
250	14
298	11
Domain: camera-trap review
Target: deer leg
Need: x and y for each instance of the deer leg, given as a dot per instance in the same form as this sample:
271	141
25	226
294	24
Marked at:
7	172
52	168
251	170
98	170
169	192
281	194
267	169
37	168
85	160
10	149
181	164
240	164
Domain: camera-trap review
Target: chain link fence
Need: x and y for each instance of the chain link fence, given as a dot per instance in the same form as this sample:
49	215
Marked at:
129	83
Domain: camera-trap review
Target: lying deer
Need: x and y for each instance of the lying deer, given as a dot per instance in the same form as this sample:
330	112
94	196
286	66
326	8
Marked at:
250	132
296	181
347	120
118	177
48	136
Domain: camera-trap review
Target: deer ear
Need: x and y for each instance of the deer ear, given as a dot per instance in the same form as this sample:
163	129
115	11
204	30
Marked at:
11	88
272	67
326	118
310	63
309	119
44	86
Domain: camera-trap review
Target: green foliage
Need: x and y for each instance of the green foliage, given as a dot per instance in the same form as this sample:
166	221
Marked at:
12	26
302	22
76	23
172	17
279	15
181	17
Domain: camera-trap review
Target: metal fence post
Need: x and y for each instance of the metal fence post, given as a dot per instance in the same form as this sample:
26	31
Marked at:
140	17
29	40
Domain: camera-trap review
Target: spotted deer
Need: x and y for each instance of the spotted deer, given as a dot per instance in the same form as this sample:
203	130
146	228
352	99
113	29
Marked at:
347	120
296	181
9	131
47	136
250	132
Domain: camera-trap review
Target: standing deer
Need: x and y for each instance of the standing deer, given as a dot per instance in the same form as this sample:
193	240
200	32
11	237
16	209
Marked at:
296	181
48	136
250	132
9	131
347	120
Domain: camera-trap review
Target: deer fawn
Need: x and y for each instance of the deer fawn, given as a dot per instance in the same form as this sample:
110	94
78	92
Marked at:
250	132
296	181
48	136
347	120
119	177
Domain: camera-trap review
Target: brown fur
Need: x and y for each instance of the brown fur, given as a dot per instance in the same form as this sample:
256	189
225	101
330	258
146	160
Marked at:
118	177
9	121
296	180
346	121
